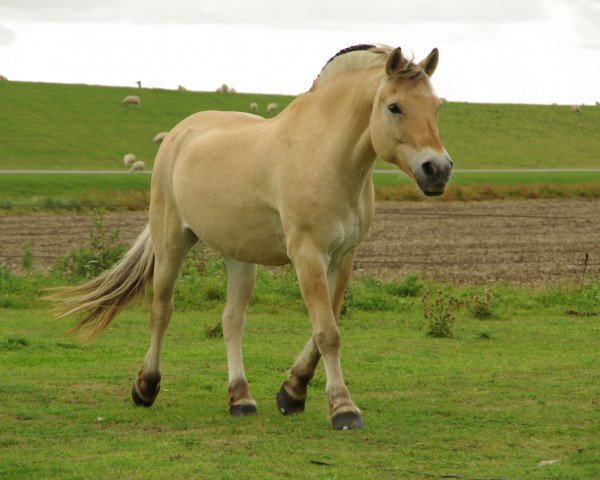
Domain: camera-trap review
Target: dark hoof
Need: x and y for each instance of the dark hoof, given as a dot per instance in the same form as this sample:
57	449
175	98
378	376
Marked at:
140	401
347	420
242	410
288	405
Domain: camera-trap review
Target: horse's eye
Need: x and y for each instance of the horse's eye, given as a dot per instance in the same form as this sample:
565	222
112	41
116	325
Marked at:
394	109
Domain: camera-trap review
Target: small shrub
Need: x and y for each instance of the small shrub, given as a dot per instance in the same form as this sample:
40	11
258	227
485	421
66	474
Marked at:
585	301
439	314
214	331
485	335
103	252
14	343
481	307
410	287
27	261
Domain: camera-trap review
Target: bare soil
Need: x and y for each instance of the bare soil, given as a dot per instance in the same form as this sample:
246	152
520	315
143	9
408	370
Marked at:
530	242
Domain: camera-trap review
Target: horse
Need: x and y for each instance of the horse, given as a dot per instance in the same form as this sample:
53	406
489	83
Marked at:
295	188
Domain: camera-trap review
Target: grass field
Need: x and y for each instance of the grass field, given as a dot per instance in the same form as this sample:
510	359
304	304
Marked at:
56	126
504	394
32	189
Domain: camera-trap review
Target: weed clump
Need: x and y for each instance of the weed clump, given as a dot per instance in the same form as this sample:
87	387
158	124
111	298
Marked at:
481	307
101	254
439	314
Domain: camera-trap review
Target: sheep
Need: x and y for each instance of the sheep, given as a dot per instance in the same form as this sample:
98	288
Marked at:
131	100
181	88
253	107
575	108
272	108
128	160
223	89
138	166
3	78
159	137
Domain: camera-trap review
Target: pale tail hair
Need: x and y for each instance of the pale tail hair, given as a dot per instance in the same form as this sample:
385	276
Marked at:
103	297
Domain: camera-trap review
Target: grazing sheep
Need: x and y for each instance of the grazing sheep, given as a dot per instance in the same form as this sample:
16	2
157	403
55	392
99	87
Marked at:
223	89
3	78
128	160
138	166
575	108
253	107
131	100
159	137
272	108
181	88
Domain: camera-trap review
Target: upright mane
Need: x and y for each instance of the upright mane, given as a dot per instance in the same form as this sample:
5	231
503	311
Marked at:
362	56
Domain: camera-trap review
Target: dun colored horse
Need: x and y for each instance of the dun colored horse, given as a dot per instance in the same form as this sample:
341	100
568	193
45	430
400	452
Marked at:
293	188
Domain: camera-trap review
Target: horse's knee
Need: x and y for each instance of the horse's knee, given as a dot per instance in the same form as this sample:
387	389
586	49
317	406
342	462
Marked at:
327	340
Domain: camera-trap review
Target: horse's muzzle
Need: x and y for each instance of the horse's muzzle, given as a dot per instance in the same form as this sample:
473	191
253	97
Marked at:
433	174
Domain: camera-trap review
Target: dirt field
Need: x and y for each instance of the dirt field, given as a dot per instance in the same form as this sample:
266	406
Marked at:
521	242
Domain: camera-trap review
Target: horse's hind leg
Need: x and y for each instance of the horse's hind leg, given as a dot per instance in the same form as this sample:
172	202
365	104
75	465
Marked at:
241	278
171	243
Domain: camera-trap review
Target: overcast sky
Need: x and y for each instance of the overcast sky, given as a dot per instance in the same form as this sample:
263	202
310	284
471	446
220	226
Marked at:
524	51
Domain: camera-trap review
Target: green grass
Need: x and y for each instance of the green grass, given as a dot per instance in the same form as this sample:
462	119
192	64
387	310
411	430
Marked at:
496	179
510	389
59	126
492	402
16	189
58	190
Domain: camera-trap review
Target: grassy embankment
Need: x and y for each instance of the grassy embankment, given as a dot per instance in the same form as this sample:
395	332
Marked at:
53	126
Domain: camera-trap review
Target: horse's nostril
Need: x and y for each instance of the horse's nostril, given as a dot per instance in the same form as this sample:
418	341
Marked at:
451	164
428	169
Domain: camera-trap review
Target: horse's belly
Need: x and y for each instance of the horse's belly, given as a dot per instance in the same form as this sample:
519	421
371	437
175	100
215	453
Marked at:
246	236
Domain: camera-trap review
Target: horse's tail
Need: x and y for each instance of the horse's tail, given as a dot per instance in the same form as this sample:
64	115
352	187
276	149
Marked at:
103	297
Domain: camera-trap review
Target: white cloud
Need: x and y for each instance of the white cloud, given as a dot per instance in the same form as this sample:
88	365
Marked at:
7	36
273	13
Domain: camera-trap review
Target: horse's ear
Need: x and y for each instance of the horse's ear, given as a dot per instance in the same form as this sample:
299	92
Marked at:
429	64
395	62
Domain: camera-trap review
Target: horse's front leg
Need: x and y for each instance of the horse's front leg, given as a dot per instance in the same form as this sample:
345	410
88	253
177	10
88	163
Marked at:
291	398
241	278
311	267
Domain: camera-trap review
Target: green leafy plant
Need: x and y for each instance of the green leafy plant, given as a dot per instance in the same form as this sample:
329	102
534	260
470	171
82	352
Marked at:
27	261
101	254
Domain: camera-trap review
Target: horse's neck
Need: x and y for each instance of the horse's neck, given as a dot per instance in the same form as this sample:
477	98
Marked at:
347	103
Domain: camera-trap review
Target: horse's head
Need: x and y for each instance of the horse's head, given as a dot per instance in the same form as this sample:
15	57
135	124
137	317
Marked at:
404	122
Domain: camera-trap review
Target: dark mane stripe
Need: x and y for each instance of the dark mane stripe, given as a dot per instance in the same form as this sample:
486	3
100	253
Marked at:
353	48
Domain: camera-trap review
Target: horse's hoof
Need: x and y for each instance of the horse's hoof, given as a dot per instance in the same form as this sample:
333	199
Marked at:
347	420
288	405
139	400
242	410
